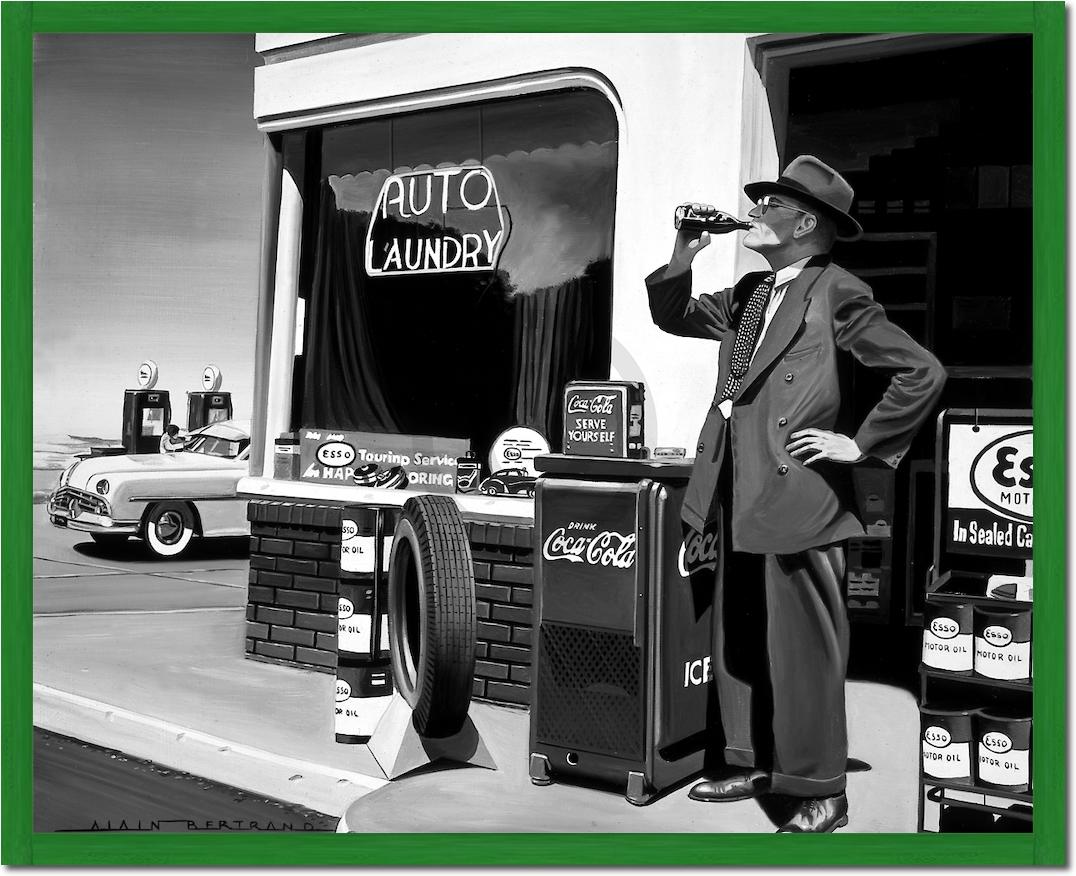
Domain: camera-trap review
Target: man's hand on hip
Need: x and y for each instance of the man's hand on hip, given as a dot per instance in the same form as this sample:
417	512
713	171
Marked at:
811	445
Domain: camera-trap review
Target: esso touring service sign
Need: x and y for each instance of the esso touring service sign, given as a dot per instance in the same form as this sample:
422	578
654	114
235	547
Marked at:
991	489
441	221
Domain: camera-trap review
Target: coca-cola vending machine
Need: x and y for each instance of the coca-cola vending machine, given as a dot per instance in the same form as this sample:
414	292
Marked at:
622	686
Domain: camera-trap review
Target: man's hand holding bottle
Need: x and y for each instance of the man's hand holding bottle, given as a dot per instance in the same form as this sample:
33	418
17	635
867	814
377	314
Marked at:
694	225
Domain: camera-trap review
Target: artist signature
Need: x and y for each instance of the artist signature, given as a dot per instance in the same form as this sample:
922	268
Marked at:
154	825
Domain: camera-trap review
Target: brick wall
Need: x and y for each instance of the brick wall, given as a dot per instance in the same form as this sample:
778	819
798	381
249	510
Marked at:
503	569
294	582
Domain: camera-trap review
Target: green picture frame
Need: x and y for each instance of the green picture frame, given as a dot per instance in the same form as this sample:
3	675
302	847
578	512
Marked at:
1045	21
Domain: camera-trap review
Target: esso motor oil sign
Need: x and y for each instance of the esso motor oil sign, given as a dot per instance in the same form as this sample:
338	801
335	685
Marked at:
991	489
1002	475
441	221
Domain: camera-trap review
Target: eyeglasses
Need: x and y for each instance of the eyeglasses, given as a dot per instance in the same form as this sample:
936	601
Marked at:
767	201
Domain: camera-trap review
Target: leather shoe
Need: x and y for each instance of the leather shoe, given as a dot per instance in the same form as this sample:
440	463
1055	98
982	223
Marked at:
742	786
818	815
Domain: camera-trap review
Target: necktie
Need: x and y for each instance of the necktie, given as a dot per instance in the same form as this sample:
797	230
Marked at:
747	334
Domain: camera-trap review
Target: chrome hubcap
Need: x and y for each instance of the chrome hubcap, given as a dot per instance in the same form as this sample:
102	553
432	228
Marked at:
169	527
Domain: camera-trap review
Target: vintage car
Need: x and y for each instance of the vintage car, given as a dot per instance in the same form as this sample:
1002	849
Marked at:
509	482
163	498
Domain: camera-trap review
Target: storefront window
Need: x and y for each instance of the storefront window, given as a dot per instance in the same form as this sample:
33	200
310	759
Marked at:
405	341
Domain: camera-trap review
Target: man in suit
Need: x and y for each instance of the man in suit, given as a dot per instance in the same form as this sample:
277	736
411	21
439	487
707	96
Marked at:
772	474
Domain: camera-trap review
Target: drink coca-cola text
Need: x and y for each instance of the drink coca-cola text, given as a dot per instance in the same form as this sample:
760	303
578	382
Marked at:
607	548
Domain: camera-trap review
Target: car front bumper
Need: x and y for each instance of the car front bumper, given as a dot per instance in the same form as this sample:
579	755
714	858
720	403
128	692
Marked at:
67	515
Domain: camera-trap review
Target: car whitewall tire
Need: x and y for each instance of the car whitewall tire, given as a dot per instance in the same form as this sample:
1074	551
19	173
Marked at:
169	529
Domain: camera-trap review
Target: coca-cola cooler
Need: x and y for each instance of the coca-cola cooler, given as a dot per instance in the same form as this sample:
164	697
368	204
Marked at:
622	688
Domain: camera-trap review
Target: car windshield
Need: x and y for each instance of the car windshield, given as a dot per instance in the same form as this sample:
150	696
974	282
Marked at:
215	445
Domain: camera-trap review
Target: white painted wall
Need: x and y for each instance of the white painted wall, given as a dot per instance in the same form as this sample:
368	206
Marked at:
694	125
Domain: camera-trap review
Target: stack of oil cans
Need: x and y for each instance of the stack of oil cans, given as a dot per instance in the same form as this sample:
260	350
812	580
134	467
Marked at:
964	740
364	670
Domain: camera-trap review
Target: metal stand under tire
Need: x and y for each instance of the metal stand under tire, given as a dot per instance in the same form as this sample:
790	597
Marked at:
432	624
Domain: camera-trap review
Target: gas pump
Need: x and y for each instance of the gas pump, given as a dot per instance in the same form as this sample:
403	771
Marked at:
146	412
210	405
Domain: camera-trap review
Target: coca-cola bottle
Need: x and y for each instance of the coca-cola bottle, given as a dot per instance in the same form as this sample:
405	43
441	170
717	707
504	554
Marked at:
688	218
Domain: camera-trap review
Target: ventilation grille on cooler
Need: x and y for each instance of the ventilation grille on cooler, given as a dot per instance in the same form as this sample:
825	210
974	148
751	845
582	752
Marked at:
589	691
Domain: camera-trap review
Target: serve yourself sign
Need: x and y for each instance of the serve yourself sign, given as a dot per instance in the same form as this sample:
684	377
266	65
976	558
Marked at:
991	489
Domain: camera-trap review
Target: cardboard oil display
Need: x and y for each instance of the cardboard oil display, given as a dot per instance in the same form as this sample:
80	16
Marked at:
946	743
947	637
386	529
983	595
362	695
1003	741
364	676
1003	644
604	418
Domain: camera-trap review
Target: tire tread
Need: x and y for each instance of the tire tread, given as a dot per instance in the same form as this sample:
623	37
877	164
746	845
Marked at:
447	664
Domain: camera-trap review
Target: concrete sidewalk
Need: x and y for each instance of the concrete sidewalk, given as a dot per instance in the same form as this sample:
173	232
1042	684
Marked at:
174	687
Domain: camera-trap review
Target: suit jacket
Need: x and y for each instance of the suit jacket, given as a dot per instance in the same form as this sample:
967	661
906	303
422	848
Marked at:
797	380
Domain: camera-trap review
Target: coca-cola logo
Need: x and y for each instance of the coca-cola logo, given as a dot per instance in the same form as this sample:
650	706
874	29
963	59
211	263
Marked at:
607	548
698	552
596	404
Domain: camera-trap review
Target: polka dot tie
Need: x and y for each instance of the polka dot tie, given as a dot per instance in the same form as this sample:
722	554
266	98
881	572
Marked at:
747	334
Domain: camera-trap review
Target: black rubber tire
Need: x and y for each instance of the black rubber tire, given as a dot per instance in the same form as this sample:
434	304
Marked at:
177	519
432	623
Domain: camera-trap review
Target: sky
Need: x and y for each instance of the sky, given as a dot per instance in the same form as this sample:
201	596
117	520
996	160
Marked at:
147	219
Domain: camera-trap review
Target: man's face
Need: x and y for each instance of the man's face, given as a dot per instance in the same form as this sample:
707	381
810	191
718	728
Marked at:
774	226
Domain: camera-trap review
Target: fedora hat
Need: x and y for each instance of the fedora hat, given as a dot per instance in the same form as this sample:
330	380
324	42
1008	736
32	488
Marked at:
816	183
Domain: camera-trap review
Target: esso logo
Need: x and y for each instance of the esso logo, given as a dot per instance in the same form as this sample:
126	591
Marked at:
944	627
344	608
937	736
348	529
1002	475
336	454
997	636
998	743
517	447
343	690
147	374
211	378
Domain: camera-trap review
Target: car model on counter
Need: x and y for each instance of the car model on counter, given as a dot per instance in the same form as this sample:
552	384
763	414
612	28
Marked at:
509	482
165	499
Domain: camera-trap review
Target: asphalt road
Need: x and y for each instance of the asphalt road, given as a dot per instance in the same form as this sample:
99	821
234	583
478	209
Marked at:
73	574
77	784
81	787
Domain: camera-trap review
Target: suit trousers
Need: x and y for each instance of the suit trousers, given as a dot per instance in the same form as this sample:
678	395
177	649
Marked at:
780	646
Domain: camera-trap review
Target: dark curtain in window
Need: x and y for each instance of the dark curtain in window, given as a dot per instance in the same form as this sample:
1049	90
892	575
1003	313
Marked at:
343	385
561	334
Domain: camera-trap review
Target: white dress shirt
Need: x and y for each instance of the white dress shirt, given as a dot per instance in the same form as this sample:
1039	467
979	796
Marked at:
780	285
